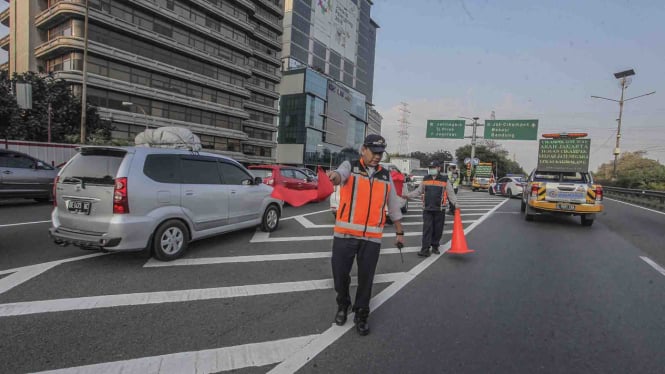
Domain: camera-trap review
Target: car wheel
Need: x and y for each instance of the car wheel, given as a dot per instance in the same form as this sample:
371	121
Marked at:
509	193
523	206
170	240
270	219
491	191
586	221
527	215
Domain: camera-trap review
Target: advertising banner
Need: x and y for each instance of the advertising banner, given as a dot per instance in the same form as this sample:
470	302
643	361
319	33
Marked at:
335	24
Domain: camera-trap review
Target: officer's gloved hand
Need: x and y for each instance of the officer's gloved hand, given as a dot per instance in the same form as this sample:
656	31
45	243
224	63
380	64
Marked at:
452	209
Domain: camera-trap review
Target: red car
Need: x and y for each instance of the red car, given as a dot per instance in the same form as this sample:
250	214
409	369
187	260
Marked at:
287	176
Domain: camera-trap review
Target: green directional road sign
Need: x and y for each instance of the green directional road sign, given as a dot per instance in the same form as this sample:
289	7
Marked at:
449	129
511	129
564	155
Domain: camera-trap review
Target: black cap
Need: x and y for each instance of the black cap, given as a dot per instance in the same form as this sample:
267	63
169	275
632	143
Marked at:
375	143
434	164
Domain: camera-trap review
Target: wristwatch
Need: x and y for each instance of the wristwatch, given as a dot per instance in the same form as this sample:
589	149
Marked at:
399	233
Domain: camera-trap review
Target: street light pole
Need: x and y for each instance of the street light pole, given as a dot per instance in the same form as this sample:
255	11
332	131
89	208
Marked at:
473	138
624	84
145	115
84	90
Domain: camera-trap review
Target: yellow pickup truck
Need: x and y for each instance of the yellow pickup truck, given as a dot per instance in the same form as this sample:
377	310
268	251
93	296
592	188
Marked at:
565	193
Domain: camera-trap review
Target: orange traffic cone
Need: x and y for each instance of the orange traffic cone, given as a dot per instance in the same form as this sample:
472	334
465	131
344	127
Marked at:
458	245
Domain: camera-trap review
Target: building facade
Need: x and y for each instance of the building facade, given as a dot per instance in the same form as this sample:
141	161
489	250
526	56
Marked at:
328	79
212	66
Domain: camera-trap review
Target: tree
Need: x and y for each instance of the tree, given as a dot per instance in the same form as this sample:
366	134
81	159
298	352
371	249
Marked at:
498	157
32	124
633	171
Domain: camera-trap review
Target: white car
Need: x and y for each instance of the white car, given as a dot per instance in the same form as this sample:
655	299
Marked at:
507	186
334	198
417	176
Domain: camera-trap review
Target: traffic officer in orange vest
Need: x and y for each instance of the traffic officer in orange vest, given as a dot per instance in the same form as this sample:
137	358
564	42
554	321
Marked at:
435	191
366	191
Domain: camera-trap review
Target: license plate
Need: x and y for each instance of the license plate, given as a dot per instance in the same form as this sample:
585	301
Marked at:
565	206
79	207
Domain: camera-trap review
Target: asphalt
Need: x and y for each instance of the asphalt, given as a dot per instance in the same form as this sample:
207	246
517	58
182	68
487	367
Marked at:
548	296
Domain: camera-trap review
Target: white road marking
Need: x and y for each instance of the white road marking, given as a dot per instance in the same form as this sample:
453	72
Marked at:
636	206
23	274
267	239
311	225
298	360
161	297
507	213
306	214
653	264
23	223
152	263
56	262
207	361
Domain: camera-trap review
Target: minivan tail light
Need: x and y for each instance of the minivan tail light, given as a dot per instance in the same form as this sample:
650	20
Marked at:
120	199
599	193
55	186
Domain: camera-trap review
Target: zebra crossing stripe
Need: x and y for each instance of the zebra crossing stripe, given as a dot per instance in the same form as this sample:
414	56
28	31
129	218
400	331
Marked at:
206	361
161	297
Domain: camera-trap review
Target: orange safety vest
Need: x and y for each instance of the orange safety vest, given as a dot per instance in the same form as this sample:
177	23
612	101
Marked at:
362	202
434	182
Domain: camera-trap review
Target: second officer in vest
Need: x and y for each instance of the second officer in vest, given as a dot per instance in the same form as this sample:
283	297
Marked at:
435	191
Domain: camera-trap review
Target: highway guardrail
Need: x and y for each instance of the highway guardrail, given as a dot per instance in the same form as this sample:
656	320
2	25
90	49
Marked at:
647	198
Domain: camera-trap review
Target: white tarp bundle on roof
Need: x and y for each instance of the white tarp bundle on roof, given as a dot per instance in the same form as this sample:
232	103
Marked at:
169	137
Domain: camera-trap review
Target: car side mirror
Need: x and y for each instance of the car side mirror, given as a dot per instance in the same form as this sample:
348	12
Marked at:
258	180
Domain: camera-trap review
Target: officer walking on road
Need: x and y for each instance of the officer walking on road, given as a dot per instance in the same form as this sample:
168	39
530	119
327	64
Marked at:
366	190
435	191
454	177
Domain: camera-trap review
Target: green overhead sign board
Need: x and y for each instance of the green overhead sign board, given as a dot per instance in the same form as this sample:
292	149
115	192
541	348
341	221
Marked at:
564	155
511	129
447	129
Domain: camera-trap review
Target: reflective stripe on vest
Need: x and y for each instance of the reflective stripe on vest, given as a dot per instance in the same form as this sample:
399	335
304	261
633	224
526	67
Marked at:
436	183
362	206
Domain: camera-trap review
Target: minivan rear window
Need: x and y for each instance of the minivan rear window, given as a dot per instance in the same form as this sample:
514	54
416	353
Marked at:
94	166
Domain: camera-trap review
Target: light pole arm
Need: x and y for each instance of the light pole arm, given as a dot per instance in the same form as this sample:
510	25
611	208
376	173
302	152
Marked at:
646	94
604	98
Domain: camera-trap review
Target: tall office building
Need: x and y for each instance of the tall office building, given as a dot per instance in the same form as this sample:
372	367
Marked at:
210	65
328	79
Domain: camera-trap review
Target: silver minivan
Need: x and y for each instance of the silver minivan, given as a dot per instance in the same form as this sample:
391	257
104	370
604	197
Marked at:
135	198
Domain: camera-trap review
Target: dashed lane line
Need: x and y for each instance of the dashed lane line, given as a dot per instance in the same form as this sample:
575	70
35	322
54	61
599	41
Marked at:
207	361
152	263
162	297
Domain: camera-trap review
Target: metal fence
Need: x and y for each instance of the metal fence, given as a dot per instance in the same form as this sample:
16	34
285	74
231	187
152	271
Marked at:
646	198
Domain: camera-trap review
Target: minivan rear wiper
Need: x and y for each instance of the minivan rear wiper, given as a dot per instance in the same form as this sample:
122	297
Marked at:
75	180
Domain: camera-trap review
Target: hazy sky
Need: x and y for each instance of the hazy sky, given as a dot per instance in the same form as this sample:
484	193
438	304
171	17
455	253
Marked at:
523	59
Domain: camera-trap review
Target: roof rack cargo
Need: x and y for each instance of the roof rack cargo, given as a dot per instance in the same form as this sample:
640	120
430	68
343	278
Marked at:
169	137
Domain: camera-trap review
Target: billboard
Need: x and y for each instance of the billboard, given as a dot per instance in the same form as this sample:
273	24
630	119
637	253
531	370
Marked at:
564	155
335	24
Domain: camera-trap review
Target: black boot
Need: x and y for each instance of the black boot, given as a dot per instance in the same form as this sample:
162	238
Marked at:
424	252
435	250
340	317
360	319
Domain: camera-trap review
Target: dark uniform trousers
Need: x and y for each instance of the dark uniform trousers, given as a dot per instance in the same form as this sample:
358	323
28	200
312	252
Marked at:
366	253
433	227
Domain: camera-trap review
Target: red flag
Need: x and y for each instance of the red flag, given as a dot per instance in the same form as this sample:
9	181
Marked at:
299	198
325	187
